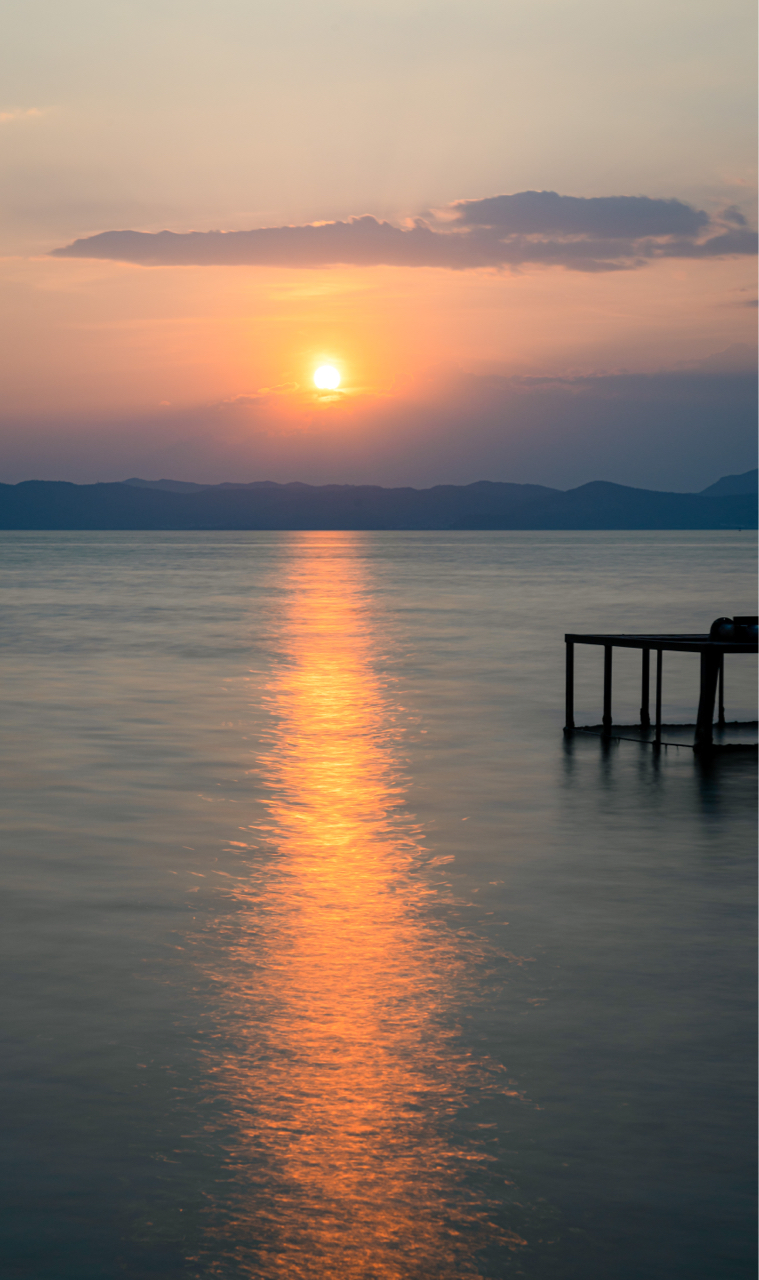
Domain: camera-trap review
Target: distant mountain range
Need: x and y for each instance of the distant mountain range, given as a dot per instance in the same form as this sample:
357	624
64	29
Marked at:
176	504
728	486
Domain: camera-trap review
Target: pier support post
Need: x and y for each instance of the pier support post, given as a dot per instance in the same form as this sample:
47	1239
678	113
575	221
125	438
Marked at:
721	698
606	721
710	666
657	735
569	719
645	718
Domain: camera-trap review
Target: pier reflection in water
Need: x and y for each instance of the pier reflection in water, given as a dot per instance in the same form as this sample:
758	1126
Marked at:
336	988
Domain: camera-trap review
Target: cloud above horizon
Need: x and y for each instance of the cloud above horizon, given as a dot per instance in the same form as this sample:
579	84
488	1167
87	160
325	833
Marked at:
601	233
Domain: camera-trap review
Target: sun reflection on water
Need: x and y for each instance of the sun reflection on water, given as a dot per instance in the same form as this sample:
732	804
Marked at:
341	1066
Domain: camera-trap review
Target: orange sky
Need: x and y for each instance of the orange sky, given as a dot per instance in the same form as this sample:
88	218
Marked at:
112	335
363	122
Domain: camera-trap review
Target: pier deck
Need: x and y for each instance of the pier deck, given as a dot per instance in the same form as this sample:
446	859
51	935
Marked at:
712	653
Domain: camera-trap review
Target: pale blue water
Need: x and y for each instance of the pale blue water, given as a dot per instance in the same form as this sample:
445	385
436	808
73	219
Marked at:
326	956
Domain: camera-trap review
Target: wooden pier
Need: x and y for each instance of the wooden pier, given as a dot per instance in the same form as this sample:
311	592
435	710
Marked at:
711	647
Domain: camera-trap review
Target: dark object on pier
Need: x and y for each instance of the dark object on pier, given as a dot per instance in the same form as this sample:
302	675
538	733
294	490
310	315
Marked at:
727	635
741	627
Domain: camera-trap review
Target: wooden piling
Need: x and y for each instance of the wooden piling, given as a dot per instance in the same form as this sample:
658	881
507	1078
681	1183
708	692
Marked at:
710	666
569	717
606	720
645	718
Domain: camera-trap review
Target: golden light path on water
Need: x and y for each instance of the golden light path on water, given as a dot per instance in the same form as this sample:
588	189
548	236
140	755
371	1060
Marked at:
342	1067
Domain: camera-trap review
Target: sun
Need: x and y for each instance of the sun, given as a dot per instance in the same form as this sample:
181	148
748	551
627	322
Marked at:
327	378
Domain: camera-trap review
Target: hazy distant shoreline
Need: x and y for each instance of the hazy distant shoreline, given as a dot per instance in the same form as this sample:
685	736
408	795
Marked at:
170	504
145	504
265	505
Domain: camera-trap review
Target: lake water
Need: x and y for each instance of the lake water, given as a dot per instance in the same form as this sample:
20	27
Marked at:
327	958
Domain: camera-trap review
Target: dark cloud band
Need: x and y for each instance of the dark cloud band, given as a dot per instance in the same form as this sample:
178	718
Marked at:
608	233
606	217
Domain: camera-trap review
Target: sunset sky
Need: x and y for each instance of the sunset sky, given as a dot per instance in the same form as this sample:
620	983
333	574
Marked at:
521	230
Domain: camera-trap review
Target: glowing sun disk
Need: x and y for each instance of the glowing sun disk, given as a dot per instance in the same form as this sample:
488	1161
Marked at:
327	378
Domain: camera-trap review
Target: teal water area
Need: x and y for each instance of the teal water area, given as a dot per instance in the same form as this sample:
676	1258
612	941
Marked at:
327	957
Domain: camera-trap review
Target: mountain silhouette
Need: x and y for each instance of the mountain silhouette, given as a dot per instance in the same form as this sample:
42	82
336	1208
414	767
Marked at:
747	482
176	504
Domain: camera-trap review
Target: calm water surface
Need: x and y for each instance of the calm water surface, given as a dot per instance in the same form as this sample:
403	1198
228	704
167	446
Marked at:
327	957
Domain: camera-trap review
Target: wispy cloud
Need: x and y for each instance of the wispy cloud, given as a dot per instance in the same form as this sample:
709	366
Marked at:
604	233
261	396
20	113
